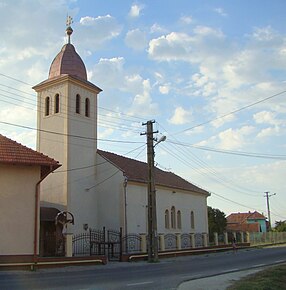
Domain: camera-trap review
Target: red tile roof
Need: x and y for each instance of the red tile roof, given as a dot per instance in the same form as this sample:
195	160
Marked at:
137	171
243	217
253	227
12	152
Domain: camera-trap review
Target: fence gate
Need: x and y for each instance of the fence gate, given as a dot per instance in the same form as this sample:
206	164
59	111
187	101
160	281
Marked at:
114	245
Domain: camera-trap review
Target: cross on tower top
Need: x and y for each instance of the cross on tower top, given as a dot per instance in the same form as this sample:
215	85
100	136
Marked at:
69	30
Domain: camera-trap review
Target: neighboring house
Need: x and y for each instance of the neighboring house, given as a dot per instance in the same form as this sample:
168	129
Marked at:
122	201
97	187
247	222
21	171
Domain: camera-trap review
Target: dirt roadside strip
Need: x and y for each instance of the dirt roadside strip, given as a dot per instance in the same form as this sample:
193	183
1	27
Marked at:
218	282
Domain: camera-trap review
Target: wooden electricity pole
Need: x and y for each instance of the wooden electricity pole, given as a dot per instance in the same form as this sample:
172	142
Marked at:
152	246
267	195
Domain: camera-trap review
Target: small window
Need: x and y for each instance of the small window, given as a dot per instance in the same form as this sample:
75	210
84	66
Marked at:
87	107
77	104
173	217
167	219
47	106
57	103
179	219
192	220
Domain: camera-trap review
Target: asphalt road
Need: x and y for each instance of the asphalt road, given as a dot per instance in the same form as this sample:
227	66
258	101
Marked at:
166	275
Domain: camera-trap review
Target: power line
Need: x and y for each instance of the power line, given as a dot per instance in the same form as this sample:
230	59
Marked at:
69	135
230	113
231	152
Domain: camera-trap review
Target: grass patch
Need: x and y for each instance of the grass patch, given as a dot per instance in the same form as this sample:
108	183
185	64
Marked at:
273	278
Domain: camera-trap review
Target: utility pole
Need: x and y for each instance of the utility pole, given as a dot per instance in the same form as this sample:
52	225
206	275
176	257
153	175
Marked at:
267	195
152	215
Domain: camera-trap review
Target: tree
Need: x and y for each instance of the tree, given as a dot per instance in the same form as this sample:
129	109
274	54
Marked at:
280	226
217	221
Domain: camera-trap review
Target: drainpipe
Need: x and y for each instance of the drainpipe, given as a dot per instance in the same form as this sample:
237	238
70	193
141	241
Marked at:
125	204
37	198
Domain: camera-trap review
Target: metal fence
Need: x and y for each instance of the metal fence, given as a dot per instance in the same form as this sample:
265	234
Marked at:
267	238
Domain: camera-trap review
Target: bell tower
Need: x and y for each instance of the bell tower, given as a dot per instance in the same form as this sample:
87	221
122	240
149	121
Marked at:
67	131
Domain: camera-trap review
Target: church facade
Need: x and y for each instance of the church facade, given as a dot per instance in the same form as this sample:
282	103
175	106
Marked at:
101	188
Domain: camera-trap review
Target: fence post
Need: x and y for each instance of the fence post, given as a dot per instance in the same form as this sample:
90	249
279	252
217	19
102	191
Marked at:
121	244
162	242
225	238
178	242
193	242
69	251
242	237
234	236
216	239
205	240
143	243
247	237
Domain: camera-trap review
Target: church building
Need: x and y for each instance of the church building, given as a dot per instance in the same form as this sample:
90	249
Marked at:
101	188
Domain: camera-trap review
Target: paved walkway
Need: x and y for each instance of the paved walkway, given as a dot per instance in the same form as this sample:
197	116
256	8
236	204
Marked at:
220	282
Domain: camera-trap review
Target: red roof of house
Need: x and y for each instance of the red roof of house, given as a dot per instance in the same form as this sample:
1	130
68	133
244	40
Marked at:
243	217
12	152
253	227
137	171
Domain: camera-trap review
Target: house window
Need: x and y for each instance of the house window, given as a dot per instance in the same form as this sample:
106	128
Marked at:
179	219
192	220
87	107
167	220
77	104
47	106
57	103
173	217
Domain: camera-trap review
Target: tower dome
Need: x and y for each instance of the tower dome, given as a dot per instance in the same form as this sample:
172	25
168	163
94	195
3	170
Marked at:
68	62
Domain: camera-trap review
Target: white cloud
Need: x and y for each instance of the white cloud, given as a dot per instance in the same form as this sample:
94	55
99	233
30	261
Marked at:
179	46
268	132
156	28
164	89
142	103
186	19
220	11
174	46
234	139
265	117
264	33
104	133
135	10
181	116
18	115
93	32
136	39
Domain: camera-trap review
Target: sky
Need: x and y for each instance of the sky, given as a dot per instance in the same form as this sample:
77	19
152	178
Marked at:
211	74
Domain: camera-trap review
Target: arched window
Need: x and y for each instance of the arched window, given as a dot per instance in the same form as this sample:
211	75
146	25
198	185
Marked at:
192	220
87	107
167	219
179	219
173	217
57	103
47	106
77	104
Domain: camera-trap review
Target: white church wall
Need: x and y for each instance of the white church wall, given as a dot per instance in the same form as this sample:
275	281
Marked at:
74	146
53	189
110	192
183	201
81	160
17	209
136	209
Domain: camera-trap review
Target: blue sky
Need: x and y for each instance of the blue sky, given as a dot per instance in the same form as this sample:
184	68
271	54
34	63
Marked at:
181	63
